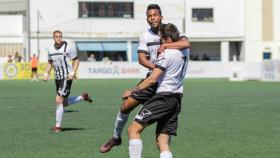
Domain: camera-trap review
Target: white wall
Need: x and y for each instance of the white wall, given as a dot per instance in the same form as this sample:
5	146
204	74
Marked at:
228	19
276	18
253	30
276	27
11	29
253	20
89	70
63	15
254	46
195	70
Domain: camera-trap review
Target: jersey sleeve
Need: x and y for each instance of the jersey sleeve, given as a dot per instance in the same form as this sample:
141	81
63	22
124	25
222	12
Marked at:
49	57
162	62
142	44
72	53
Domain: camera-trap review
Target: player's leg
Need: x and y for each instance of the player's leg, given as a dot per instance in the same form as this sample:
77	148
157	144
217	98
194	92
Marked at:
74	99
32	74
163	141
128	105
147	115
168	123
135	142
59	113
36	75
62	89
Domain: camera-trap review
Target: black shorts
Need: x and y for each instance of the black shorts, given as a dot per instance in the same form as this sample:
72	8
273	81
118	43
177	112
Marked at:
144	95
63	87
34	69
164	109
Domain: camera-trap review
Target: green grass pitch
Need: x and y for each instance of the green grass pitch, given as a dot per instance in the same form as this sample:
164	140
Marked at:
219	119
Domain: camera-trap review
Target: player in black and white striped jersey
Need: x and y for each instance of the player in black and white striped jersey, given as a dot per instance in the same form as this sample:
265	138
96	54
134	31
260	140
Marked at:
64	60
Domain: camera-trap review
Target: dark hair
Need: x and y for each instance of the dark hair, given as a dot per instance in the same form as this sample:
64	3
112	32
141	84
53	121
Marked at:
154	6
169	30
57	31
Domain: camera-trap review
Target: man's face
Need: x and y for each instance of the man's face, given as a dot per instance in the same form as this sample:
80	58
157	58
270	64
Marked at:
154	18
57	38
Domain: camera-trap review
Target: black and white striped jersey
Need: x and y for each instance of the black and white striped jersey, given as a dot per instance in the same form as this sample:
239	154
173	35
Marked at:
61	60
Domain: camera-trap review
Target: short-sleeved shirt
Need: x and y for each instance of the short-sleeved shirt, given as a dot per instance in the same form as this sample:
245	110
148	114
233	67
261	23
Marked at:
149	43
61	60
34	62
165	106
174	64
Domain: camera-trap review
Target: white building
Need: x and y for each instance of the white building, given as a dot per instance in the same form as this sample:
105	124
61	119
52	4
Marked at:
107	28
206	23
12	21
224	30
262	30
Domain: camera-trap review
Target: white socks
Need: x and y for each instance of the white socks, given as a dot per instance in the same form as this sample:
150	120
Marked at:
59	114
119	124
74	99
166	154
135	148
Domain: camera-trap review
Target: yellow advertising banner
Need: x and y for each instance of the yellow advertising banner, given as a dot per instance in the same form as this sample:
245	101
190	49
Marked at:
22	70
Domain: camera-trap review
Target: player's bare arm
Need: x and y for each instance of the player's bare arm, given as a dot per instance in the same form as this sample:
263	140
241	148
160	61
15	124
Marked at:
47	71
75	64
181	44
142	59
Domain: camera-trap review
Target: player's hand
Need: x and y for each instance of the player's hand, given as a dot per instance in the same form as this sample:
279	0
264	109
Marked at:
46	77
126	94
71	76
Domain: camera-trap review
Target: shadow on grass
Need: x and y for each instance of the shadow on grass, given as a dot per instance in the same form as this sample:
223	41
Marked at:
70	111
69	129
72	129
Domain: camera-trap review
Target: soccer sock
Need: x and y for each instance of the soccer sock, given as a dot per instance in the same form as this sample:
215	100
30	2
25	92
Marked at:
59	114
119	124
74	99
166	154
135	148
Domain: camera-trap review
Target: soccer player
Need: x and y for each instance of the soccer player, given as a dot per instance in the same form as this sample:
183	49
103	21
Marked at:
164	107
149	45
60	56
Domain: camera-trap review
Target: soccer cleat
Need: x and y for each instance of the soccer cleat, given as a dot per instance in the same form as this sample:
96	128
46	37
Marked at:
110	144
57	129
86	97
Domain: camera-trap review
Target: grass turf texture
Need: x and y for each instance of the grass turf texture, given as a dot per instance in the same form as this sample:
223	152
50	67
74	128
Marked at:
219	119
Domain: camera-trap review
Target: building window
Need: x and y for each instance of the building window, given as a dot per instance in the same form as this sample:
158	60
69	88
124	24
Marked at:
106	9
266	55
104	50
235	50
135	51
202	15
205	51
